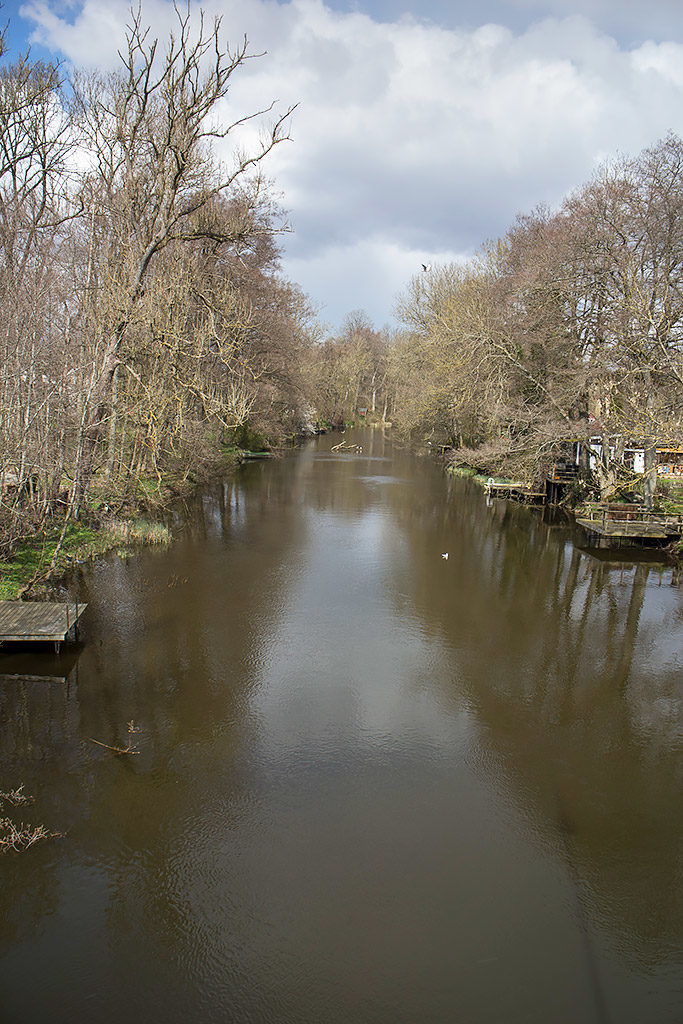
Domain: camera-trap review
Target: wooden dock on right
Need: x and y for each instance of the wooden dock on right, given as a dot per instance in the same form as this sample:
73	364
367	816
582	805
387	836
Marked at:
628	525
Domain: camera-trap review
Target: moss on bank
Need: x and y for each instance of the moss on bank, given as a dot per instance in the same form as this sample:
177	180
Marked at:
249	439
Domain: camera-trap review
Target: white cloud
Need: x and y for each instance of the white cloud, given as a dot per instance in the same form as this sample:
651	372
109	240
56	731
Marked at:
660	63
413	140
367	272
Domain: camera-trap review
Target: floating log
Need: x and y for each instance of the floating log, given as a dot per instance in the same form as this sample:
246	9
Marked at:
344	448
115	750
250	456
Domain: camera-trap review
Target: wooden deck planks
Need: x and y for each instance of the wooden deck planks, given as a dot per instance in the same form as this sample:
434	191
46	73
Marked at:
517	492
633	530
37	620
16	677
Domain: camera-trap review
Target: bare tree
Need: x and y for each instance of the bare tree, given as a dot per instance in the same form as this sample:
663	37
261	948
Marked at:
568	327
154	181
141	307
35	142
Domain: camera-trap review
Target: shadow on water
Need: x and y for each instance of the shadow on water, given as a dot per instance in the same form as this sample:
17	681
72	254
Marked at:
374	784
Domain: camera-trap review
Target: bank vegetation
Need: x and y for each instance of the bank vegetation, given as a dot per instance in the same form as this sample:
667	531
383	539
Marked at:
570	327
144	324
561	340
146	329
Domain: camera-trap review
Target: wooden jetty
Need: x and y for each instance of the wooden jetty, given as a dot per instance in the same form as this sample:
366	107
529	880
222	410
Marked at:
628	526
516	491
560	476
31	621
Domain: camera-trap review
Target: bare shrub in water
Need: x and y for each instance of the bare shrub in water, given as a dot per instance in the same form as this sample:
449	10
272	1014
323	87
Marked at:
20	836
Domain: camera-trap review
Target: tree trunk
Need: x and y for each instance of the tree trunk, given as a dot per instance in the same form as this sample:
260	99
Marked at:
650	480
111	456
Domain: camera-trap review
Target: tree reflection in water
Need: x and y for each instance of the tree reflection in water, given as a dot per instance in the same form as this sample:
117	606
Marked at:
346	739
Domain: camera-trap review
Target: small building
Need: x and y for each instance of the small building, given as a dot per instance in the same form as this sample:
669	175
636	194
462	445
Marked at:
670	461
669	456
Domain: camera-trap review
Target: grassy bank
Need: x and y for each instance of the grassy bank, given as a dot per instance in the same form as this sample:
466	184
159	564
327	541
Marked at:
117	517
31	561
471	474
31	568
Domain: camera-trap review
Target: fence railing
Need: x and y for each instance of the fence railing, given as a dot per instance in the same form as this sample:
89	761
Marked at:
629	514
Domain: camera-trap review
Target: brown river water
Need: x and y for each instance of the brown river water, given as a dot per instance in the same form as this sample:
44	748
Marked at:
374	786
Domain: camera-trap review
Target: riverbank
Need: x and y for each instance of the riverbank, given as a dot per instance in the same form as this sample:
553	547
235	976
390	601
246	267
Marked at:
113	519
670	502
38	564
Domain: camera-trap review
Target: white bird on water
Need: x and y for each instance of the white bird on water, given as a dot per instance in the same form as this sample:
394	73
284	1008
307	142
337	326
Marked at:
445	555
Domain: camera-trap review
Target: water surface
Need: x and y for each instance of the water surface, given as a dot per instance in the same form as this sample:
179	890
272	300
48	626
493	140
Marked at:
374	784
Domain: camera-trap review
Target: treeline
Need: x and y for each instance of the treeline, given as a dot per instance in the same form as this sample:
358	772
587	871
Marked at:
570	326
143	320
352	376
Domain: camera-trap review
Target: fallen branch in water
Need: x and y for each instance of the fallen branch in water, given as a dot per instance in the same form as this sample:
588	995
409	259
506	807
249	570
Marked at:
16	797
344	447
20	837
116	750
130	749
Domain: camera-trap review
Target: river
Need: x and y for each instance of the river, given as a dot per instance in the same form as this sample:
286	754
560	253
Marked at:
374	785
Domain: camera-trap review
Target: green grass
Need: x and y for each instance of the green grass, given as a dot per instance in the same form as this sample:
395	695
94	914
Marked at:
466	471
471	474
136	531
32	559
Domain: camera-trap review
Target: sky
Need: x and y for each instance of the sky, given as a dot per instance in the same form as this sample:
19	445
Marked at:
421	130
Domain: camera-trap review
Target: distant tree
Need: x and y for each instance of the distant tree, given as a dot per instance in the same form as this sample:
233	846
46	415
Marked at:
350	371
